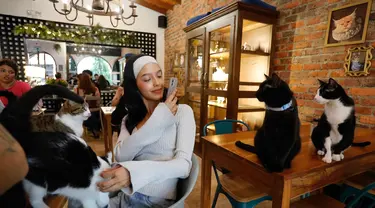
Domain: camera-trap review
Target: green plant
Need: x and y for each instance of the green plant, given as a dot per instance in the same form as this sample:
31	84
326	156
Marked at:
57	82
81	34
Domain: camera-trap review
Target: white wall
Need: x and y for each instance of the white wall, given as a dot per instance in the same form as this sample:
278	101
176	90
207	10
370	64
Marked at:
48	46
147	20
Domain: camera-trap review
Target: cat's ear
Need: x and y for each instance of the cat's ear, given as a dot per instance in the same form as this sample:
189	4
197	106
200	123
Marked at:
332	83
354	12
275	77
275	80
267	77
334	21
321	82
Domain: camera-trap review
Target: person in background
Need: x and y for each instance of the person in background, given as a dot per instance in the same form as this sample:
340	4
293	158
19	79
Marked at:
89	72
58	76
96	77
86	87
103	83
156	141
8	81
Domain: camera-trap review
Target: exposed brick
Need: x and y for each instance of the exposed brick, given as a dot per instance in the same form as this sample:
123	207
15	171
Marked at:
295	67
367	101
318	73
282	27
279	67
298	38
290	19
302	45
312	67
313	21
367	119
317	35
297	53
363	91
291	5
282	54
287	34
363	110
337	73
332	66
299	89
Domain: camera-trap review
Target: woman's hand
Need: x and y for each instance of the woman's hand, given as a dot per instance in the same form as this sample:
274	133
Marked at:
171	102
120	91
118	178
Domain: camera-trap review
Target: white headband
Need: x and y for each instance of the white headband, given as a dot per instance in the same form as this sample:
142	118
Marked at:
141	62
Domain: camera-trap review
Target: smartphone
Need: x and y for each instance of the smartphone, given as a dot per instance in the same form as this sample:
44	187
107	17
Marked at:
173	82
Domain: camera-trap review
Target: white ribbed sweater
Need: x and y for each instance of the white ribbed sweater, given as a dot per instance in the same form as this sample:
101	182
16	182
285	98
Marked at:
159	153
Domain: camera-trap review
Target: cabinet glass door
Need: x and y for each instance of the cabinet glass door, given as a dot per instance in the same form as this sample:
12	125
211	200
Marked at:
255	63
219	68
194	83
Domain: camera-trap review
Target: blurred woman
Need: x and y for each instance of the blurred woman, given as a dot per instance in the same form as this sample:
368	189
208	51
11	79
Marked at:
86	87
103	83
8	81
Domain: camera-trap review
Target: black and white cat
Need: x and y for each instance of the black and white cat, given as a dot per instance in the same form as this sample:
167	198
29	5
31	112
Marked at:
59	162
335	130
278	141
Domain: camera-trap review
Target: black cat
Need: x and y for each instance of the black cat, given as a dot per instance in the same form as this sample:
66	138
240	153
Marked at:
335	130
278	141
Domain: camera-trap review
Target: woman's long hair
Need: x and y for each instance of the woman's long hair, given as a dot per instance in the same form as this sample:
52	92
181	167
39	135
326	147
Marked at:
132	98
86	84
103	83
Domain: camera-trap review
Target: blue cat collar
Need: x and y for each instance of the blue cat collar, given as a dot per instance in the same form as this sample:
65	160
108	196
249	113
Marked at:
282	108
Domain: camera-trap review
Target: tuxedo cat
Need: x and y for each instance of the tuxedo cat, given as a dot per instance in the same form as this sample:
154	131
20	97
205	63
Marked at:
278	141
59	162
335	130
69	119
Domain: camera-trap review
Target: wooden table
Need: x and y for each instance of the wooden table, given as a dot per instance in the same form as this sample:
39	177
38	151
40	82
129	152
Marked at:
308	172
106	115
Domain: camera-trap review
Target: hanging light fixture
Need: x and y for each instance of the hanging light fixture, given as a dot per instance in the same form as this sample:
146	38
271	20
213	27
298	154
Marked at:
111	8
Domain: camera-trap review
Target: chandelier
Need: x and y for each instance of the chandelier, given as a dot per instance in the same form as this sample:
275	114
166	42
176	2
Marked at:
111	8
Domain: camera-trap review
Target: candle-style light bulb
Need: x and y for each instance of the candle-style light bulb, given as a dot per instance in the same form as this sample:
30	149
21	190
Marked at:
65	3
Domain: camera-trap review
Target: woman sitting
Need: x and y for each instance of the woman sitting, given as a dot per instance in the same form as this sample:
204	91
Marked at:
86	87
156	142
103	83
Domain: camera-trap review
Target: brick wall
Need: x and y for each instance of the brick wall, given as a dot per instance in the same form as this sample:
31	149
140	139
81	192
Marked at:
300	55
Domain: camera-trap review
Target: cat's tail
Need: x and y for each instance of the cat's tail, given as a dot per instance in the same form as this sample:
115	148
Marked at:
361	144
9	96
246	147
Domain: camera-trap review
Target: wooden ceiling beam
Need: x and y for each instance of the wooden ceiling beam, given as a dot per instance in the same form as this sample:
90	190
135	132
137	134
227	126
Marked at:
155	5
172	2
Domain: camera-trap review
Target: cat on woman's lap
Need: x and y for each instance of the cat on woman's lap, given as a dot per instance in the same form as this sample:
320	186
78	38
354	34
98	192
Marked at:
335	130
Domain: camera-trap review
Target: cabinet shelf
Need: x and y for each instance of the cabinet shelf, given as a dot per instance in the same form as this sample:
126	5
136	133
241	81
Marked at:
254	53
224	54
241	108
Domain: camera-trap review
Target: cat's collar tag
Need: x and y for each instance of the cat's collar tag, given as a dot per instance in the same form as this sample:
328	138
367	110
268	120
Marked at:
282	108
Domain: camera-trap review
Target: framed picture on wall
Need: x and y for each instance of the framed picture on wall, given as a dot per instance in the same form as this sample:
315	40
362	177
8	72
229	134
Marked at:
182	60
358	61
348	24
176	61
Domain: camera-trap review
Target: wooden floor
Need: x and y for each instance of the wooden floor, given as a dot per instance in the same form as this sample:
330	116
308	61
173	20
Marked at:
193	200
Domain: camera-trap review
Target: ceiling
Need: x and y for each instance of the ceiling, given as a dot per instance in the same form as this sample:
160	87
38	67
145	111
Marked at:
161	6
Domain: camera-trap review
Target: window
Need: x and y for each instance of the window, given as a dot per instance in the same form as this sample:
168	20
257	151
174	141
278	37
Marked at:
96	65
44	60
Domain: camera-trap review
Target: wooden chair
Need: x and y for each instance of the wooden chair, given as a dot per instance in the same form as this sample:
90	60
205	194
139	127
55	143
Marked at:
318	201
239	192
93	99
323	201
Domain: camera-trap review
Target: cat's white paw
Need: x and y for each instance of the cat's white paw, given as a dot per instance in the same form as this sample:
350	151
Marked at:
342	156
327	158
336	157
320	152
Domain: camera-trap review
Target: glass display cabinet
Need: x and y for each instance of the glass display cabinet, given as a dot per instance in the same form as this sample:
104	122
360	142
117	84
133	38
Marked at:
228	53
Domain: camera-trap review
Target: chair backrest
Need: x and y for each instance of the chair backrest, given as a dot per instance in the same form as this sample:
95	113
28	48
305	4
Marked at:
224	126
93	99
185	186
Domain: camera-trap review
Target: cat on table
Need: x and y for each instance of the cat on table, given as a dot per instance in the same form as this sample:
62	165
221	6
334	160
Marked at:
335	130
